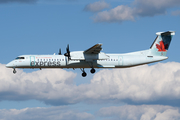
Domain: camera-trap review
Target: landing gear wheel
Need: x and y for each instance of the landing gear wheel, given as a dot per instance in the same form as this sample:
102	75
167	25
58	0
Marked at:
93	70
14	71
84	74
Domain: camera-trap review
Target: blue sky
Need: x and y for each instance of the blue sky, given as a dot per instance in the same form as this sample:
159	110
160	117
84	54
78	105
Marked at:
43	26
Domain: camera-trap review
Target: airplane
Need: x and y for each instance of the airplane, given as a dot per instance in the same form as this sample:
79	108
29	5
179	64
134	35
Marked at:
94	58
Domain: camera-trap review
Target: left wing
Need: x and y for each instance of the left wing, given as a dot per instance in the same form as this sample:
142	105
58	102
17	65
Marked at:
94	49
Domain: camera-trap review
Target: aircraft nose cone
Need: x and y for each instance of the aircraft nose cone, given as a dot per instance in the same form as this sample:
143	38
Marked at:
9	65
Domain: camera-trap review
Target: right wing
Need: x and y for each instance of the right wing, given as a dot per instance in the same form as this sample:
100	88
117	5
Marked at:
94	49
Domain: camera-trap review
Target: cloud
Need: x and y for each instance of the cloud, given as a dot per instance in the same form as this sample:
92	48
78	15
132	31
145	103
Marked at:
138	8
126	112
52	113
18	1
51	86
153	7
118	14
143	112
176	13
156	84
96	6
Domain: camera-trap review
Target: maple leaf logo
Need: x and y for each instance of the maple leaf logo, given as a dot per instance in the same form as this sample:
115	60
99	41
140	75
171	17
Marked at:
161	46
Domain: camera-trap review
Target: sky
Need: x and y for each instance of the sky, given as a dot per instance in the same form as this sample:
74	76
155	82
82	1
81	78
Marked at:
147	92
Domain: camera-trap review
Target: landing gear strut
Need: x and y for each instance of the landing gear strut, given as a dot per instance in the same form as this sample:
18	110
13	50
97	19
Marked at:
84	73
14	71
92	68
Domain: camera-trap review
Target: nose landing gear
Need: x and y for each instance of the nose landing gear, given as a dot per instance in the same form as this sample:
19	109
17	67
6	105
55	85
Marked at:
14	71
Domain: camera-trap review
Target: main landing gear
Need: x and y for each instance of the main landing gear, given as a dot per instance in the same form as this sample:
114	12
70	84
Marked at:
84	74
14	71
93	70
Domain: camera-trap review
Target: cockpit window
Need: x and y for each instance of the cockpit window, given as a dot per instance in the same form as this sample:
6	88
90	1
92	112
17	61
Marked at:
20	58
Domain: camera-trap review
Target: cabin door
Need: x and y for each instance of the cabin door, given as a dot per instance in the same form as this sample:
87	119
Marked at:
32	60
120	60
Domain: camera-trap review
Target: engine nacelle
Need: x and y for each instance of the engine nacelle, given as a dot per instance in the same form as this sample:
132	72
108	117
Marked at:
80	55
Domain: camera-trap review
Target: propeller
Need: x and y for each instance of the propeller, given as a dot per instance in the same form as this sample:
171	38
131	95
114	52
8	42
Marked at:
67	54
60	52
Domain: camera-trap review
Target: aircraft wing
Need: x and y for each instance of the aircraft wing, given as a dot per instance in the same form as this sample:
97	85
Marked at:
94	49
90	54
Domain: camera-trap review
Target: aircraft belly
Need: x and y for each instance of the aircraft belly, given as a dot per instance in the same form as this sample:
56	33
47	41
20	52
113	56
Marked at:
78	65
95	64
106	64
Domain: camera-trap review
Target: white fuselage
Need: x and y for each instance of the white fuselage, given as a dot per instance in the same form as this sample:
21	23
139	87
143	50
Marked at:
60	61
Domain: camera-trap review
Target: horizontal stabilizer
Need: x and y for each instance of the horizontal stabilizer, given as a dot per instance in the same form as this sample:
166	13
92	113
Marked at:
166	33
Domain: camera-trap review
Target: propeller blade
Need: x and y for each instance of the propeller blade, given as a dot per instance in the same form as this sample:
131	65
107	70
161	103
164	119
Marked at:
60	52
67	49
67	54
